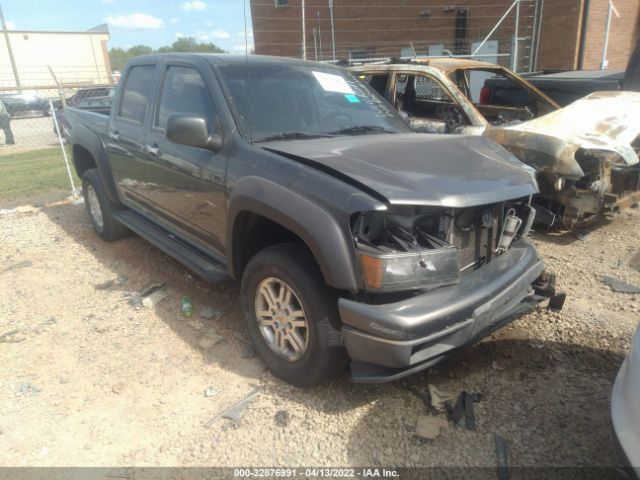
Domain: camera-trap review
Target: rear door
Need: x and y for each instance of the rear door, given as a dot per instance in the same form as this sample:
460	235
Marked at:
187	183
126	132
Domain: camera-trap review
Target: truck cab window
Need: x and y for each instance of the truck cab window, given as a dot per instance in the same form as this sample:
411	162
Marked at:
184	93
428	104
377	81
135	95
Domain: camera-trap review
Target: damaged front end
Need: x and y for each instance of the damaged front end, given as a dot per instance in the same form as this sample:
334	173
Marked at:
438	280
607	186
422	248
586	156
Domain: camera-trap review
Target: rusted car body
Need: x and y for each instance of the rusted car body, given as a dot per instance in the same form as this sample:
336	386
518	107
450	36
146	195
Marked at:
585	155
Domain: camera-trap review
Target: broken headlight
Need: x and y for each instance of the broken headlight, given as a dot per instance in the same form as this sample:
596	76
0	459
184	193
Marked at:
405	250
409	248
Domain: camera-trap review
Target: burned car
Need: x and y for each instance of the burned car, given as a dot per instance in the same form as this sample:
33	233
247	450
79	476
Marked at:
585	155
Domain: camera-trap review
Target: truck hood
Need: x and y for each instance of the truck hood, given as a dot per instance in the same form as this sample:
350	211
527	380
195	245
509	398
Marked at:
417	169
606	121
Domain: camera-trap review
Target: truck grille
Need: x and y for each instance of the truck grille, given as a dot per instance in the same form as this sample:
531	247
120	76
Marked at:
475	242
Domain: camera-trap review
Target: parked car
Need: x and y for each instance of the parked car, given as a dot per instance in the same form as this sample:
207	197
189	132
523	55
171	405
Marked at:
565	87
562	87
585	154
625	407
26	104
351	236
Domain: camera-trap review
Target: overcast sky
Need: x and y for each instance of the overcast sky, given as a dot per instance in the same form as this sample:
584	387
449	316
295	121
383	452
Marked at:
133	22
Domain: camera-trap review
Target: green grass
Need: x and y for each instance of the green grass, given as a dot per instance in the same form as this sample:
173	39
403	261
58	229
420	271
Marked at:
33	173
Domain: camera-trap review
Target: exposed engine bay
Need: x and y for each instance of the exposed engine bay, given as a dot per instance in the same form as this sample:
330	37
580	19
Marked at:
434	246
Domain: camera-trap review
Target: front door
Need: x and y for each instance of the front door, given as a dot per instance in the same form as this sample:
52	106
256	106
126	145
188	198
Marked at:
186	184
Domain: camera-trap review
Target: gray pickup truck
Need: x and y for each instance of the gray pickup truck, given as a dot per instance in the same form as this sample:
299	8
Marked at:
352	237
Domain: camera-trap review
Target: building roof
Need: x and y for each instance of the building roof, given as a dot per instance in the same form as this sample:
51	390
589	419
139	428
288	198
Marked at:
99	29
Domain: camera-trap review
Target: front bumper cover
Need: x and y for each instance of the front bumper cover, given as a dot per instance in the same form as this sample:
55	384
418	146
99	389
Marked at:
390	341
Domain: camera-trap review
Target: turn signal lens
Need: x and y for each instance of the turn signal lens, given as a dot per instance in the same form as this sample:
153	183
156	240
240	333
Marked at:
430	268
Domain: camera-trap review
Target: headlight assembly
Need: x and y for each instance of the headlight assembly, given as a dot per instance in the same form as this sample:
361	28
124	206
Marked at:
420	248
405	252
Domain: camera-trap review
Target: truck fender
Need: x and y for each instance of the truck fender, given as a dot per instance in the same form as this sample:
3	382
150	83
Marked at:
84	137
313	224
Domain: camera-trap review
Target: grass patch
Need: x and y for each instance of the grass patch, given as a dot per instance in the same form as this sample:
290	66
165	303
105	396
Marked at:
33	173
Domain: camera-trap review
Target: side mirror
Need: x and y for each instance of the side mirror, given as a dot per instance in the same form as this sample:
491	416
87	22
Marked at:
192	131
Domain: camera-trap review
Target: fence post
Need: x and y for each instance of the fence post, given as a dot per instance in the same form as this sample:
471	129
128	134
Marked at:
64	152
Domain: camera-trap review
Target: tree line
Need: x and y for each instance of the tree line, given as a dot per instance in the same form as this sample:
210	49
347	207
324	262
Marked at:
119	56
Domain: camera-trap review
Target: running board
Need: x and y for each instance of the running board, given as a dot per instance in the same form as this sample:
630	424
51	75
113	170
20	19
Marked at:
202	264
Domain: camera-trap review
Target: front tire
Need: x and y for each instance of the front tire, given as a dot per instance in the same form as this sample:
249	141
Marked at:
100	208
289	311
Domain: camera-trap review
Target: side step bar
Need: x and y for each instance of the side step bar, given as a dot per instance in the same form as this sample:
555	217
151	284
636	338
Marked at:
205	266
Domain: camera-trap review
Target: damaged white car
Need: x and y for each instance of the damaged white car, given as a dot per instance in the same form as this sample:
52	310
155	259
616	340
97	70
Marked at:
585	155
625	410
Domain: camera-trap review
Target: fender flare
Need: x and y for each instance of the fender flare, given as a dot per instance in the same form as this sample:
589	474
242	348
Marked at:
313	224
87	139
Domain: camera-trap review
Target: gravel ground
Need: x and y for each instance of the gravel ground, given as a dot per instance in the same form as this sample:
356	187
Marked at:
91	380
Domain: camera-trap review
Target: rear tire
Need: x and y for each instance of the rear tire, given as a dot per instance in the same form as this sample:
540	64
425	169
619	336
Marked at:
100	208
289	311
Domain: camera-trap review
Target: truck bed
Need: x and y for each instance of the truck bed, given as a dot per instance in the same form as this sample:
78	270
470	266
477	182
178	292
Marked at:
94	120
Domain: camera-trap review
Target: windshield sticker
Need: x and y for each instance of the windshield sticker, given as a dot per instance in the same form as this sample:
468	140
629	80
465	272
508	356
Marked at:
332	83
351	98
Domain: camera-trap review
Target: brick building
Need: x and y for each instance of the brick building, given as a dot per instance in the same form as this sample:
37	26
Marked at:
552	34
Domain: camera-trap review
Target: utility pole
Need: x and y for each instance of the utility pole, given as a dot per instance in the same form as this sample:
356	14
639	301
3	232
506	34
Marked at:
333	30
319	34
514	55
8	42
304	35
315	42
612	9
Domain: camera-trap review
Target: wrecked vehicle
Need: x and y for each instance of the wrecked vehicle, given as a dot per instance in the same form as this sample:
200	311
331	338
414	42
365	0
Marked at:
349	233
586	154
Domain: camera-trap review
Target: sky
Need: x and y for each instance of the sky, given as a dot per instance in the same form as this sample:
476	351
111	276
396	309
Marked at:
155	23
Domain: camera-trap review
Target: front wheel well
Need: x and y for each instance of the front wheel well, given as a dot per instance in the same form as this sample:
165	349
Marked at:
82	160
253	232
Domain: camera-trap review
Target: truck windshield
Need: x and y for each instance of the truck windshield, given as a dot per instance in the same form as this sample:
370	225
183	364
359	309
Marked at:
289	101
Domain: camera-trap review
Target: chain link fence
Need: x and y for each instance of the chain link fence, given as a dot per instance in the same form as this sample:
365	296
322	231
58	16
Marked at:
34	134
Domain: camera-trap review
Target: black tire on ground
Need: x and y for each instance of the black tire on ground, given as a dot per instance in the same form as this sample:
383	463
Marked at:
293	264
109	229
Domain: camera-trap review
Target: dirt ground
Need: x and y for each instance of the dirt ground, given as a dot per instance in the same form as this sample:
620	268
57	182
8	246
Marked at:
91	380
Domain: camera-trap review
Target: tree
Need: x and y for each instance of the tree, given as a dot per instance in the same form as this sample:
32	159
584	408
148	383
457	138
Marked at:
119	57
189	44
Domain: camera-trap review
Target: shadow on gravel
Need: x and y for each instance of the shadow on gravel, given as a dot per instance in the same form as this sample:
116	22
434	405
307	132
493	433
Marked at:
549	400
567	237
141	263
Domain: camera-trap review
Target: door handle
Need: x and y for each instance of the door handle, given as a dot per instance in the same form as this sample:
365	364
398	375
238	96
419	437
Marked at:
153	150
115	135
